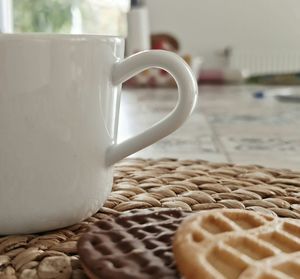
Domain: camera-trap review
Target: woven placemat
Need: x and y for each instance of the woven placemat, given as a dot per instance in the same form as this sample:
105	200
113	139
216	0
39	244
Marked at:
190	185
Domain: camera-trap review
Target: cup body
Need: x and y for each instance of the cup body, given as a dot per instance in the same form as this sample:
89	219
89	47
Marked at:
58	115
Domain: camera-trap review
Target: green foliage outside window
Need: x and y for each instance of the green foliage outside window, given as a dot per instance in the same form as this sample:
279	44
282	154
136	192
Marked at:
106	17
42	15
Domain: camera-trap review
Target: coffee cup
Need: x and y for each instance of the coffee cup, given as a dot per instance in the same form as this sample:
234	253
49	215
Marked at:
59	107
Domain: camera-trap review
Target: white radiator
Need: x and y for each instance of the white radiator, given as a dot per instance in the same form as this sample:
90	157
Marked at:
265	61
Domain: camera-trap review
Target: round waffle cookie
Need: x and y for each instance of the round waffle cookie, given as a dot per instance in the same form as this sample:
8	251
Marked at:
237	244
134	245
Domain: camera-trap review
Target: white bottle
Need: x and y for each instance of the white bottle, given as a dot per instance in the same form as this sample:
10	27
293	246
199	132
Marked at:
138	37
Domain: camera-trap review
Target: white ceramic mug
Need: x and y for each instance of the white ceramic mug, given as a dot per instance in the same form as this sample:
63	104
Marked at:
59	104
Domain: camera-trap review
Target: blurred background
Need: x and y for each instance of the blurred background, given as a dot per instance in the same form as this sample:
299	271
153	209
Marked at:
233	41
245	56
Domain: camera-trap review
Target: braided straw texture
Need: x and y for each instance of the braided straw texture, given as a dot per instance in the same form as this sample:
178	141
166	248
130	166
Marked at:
190	185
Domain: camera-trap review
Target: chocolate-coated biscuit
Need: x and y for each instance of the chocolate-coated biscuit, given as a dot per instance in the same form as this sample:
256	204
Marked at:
137	244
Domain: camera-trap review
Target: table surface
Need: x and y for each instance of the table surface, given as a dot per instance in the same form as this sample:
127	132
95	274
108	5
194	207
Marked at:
228	125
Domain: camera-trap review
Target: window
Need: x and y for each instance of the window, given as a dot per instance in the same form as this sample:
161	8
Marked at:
105	17
6	16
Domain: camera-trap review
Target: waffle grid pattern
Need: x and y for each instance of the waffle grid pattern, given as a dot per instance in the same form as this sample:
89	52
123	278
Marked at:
234	244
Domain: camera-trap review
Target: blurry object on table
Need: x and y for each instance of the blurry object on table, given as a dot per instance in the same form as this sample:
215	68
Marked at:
164	41
276	79
289	95
283	94
221	76
157	77
222	72
138	35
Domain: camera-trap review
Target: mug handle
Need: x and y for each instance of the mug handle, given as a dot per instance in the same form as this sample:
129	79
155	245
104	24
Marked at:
187	97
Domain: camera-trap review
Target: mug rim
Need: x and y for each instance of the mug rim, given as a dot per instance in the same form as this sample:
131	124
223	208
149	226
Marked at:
59	36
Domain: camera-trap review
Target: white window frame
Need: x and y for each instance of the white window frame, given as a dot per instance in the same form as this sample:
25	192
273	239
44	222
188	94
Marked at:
6	18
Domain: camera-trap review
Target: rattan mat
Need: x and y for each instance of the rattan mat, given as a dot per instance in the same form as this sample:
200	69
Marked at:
138	183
